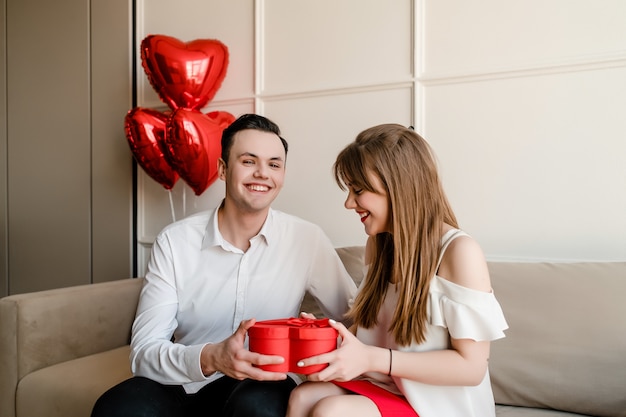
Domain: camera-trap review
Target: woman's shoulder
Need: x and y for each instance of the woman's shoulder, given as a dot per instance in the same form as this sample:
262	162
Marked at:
463	263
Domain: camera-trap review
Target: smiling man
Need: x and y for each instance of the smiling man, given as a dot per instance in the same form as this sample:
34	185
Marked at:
210	276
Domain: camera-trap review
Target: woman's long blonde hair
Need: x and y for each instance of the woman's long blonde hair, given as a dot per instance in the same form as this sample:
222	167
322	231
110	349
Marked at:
418	206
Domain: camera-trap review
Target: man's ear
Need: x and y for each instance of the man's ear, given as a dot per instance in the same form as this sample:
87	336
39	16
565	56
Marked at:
221	169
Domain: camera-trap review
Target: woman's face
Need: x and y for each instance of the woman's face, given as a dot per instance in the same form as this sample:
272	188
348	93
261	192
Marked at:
372	207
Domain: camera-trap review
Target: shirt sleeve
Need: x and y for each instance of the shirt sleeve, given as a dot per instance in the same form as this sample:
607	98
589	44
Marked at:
153	355
466	313
330	284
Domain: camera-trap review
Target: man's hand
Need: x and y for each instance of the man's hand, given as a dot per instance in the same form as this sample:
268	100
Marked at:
231	358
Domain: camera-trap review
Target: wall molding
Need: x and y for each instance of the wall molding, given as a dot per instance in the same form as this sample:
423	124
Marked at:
162	107
365	88
582	63
418	25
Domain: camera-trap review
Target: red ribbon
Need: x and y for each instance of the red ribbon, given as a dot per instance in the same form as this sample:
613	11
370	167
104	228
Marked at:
298	322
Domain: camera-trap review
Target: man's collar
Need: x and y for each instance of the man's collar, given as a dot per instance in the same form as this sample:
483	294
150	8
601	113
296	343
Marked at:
213	237
267	228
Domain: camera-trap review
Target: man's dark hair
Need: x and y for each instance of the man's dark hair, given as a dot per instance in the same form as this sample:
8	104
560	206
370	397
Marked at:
244	122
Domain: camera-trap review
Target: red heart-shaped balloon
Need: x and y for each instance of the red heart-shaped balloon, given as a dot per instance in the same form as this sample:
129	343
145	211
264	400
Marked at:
193	142
184	75
145	131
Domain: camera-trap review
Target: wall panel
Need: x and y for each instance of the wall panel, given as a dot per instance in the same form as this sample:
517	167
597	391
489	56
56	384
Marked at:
322	70
528	124
4	276
328	44
66	217
317	128
546	168
521	102
111	168
492	35
48	142
231	22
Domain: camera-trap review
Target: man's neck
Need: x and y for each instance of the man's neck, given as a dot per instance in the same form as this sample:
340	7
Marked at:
238	227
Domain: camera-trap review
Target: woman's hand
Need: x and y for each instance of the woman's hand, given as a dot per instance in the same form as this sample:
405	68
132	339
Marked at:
349	360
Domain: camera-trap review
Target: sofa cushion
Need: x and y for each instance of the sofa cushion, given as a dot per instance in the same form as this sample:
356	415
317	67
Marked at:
566	345
512	411
70	389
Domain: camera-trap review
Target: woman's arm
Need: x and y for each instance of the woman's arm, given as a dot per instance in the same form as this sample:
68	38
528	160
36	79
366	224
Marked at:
465	363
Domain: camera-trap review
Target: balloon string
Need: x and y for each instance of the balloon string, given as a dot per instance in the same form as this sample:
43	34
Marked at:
172	205
184	201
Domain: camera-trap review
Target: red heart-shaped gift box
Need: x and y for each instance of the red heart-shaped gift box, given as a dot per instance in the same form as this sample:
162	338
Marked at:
294	339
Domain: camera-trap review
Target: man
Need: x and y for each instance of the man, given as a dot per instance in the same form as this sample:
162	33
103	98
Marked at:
210	276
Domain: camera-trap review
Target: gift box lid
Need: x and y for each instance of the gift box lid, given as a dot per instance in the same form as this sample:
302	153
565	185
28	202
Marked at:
294	328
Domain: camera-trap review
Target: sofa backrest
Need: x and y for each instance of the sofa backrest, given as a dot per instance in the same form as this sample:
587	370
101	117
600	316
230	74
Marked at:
566	345
565	348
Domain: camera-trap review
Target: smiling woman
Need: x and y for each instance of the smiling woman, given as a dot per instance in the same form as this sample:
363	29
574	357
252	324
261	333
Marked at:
425	316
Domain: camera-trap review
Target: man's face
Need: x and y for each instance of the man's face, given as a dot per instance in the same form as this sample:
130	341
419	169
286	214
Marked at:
256	170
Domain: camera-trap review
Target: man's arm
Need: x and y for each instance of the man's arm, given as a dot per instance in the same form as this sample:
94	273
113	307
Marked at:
331	284
153	355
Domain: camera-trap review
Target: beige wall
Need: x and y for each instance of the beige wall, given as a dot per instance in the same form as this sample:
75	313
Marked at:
66	181
322	70
523	103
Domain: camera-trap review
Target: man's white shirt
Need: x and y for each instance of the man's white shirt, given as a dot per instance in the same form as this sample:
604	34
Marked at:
199	287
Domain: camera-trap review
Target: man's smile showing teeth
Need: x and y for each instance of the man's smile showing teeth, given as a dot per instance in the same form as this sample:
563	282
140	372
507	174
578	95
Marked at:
258	187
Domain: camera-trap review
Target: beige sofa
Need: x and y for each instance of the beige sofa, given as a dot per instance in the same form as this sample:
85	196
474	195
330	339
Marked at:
565	351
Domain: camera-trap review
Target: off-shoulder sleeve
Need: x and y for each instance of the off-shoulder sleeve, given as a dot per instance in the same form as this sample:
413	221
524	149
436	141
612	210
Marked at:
466	313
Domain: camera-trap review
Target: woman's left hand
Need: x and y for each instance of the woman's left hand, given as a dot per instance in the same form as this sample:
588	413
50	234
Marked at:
347	362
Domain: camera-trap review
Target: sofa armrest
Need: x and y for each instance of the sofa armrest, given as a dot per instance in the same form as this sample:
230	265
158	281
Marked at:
44	328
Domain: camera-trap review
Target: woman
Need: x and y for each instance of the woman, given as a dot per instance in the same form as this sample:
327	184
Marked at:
425	313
